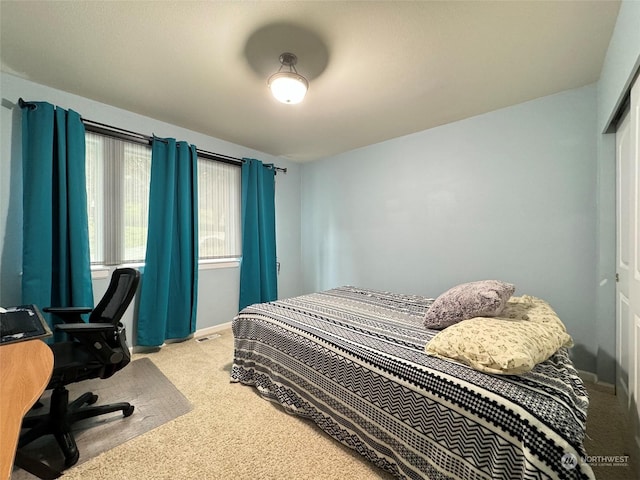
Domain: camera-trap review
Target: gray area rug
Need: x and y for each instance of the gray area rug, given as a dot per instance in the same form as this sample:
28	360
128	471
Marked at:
141	383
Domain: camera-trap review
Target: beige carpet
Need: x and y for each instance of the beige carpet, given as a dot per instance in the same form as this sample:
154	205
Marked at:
156	400
608	436
232	433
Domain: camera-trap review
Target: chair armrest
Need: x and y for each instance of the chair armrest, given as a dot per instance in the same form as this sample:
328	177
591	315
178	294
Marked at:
94	337
63	310
72	328
68	314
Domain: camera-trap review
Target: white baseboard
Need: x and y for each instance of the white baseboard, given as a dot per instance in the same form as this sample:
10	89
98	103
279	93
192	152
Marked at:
588	376
593	378
203	332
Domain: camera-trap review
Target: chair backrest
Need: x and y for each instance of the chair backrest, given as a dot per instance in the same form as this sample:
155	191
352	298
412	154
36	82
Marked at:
118	296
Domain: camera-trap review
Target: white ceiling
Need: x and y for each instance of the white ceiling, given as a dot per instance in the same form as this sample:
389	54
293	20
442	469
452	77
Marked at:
377	70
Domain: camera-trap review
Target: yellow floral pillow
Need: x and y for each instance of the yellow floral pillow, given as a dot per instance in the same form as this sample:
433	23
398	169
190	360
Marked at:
526	333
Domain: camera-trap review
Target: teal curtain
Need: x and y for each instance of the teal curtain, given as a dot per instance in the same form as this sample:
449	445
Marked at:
56	266
258	270
168	292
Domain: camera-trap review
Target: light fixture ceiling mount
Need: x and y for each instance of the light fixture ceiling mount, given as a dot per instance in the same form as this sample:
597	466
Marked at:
288	86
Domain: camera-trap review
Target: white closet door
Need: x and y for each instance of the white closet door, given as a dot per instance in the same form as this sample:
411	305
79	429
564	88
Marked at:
634	281
623	253
628	258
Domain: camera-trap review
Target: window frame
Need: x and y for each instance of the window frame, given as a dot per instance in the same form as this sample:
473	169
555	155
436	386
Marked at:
110	257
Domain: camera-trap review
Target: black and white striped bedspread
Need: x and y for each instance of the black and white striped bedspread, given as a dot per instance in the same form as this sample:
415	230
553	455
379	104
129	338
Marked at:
353	360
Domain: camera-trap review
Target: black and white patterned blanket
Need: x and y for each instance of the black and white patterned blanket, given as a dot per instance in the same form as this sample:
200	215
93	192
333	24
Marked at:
353	360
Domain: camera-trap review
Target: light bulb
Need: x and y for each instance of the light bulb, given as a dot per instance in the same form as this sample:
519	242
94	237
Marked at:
288	87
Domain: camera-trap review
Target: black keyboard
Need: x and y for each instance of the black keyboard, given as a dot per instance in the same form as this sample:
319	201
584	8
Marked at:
19	322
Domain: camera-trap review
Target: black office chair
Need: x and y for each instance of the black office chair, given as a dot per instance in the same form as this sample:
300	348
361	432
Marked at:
98	349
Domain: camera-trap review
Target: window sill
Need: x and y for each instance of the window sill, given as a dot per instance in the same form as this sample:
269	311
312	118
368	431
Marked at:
99	272
218	263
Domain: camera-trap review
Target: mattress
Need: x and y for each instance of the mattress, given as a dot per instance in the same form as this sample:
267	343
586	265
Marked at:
353	360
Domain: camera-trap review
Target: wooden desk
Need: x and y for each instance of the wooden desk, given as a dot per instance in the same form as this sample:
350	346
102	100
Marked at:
25	370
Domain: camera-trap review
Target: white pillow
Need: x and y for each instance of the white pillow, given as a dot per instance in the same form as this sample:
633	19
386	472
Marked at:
504	345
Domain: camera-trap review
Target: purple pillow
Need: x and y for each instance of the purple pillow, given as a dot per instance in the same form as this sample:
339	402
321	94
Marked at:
486	298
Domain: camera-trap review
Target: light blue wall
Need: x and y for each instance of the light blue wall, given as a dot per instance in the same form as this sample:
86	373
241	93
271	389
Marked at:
218	291
509	195
620	65
526	193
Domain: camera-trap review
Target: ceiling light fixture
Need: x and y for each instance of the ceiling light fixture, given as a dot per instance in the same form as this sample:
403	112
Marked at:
288	86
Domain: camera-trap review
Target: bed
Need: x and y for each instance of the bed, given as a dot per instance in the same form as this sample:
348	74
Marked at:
353	360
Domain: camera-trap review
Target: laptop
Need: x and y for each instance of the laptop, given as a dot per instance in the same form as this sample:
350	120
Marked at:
22	323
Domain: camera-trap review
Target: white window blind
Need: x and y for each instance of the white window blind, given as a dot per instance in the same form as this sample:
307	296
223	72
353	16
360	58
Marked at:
219	191
118	176
118	179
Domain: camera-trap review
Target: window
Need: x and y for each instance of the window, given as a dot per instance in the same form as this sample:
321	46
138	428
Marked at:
118	175
118	178
219	191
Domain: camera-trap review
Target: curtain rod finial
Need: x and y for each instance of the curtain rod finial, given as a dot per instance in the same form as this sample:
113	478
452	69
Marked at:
23	104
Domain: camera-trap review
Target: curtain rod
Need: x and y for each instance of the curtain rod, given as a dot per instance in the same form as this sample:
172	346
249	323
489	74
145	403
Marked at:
123	134
98	127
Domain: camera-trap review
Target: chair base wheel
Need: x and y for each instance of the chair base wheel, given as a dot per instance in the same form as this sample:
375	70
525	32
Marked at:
72	460
128	411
